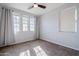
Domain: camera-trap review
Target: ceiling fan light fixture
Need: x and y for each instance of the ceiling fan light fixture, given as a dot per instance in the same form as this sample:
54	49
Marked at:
35	5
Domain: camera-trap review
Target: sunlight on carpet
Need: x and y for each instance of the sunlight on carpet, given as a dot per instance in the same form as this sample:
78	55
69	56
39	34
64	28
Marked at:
39	51
25	53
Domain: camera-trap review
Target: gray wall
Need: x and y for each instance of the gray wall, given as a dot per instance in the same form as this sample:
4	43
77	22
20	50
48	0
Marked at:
49	29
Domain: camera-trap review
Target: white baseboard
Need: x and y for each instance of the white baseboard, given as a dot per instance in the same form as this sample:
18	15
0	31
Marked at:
61	44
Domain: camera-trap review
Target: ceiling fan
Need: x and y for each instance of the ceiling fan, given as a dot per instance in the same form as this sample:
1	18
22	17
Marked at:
35	5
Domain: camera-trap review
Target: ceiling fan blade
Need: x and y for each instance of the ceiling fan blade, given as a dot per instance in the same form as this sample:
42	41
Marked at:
37	5
42	6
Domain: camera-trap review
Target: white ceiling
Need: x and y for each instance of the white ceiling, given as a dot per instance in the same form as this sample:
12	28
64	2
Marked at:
36	11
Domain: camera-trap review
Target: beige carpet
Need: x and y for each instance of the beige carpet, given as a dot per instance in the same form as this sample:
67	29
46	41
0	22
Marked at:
37	48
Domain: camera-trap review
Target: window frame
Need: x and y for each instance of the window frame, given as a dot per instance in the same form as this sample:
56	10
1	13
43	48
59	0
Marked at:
75	19
25	23
16	23
34	22
21	22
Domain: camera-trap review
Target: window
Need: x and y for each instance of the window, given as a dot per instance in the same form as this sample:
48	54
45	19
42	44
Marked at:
25	23
32	23
16	23
68	20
